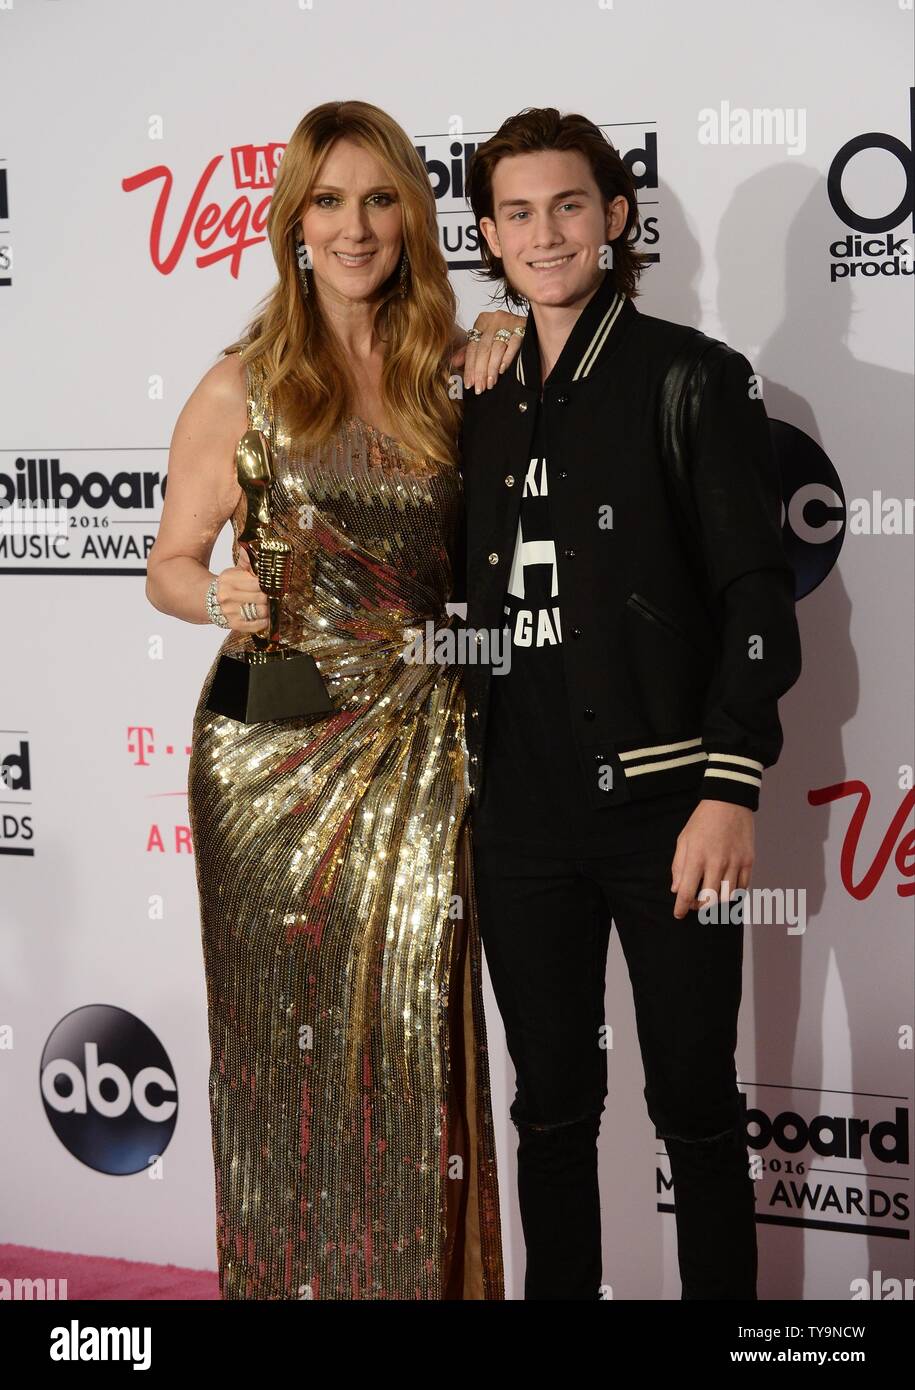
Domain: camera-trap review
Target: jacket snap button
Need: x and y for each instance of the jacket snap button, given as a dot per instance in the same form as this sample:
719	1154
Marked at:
474	758
563	473
474	714
570	554
493	559
522	406
576	631
562	400
589	714
509	481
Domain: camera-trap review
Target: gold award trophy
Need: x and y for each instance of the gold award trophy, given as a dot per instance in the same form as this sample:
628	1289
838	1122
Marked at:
273	681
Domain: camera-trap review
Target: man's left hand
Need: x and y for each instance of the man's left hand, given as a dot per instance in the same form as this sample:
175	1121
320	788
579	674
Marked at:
714	848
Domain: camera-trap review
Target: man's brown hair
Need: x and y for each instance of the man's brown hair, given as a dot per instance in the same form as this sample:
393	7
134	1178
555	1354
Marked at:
543	128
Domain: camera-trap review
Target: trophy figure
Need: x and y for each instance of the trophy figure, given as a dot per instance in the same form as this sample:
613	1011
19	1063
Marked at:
273	681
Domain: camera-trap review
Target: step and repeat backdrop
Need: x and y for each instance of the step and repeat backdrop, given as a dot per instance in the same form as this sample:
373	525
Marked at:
772	148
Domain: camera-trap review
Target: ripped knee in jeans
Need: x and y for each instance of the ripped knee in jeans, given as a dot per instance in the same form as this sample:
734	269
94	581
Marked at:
734	1130
538	1128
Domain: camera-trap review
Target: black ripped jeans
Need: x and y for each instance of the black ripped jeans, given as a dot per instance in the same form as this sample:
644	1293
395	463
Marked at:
545	924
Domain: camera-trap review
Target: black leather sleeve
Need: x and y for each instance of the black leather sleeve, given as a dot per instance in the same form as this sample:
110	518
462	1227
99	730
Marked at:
737	498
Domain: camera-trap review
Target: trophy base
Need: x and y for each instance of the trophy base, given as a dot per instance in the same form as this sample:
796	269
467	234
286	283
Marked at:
257	687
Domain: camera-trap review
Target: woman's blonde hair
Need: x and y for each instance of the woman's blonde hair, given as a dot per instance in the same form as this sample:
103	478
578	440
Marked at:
307	371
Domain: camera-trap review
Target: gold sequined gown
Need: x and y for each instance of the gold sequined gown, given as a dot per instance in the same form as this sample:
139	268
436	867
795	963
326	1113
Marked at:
349	1084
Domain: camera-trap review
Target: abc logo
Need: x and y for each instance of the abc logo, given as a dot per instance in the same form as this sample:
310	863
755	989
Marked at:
814	518
108	1089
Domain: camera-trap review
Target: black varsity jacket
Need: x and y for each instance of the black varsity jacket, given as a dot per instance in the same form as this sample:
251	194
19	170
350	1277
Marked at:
677	598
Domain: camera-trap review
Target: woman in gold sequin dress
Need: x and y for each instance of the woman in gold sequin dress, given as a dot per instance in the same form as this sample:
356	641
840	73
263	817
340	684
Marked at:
349	1085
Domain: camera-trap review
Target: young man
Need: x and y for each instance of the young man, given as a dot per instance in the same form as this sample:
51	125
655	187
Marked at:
624	524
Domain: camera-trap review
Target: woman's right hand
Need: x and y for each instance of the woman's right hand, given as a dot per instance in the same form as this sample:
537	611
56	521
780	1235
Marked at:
238	585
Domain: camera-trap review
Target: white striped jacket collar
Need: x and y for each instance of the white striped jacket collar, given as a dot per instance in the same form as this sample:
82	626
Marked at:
593	328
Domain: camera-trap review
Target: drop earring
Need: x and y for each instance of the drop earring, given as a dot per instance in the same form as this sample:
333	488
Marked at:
301	255
404	267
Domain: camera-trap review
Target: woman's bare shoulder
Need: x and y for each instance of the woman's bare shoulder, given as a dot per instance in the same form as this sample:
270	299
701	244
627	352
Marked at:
217	408
215	415
225	385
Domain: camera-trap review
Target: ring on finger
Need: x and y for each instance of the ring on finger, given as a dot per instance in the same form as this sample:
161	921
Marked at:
502	335
249	612
474	335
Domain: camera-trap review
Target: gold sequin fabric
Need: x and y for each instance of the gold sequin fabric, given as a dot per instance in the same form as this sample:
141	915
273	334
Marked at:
349	1082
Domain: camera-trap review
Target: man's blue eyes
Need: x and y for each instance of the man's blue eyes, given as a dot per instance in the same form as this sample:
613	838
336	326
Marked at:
522	211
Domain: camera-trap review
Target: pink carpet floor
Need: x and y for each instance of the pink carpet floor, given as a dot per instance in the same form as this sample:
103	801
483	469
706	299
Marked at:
93	1276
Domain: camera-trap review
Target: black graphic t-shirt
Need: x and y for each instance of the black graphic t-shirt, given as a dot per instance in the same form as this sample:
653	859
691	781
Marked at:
534	792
